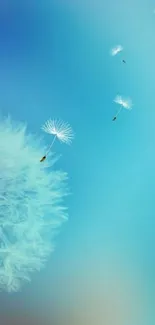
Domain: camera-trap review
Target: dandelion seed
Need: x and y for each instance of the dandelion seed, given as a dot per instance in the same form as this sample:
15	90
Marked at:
116	50
60	130
31	206
124	103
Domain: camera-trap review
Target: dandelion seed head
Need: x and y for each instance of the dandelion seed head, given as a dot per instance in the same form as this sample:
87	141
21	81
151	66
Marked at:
60	129
117	49
125	102
31	206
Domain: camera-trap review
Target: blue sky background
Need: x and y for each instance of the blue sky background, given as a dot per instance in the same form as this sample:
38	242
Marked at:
55	62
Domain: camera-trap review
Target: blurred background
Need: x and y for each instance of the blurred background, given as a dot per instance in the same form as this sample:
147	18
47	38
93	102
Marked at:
55	62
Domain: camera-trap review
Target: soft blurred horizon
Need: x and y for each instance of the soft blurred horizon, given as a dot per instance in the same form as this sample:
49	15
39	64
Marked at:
55	62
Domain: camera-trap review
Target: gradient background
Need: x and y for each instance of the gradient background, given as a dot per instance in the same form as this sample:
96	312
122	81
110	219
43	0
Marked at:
55	62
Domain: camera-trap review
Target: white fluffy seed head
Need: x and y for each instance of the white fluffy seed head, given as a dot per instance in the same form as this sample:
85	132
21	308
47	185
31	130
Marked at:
117	49
60	129
125	102
31	206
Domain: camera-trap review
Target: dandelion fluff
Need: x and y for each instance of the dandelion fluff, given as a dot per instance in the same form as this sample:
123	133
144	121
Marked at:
60	130
124	103
117	49
31	206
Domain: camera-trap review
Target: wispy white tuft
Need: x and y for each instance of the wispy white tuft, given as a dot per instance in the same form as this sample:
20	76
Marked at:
124	102
117	49
31	206
59	129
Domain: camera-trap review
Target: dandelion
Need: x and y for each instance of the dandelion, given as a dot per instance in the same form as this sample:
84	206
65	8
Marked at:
124	103
31	206
60	130
116	50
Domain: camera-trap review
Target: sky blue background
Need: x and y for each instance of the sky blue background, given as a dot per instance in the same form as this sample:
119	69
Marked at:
55	62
